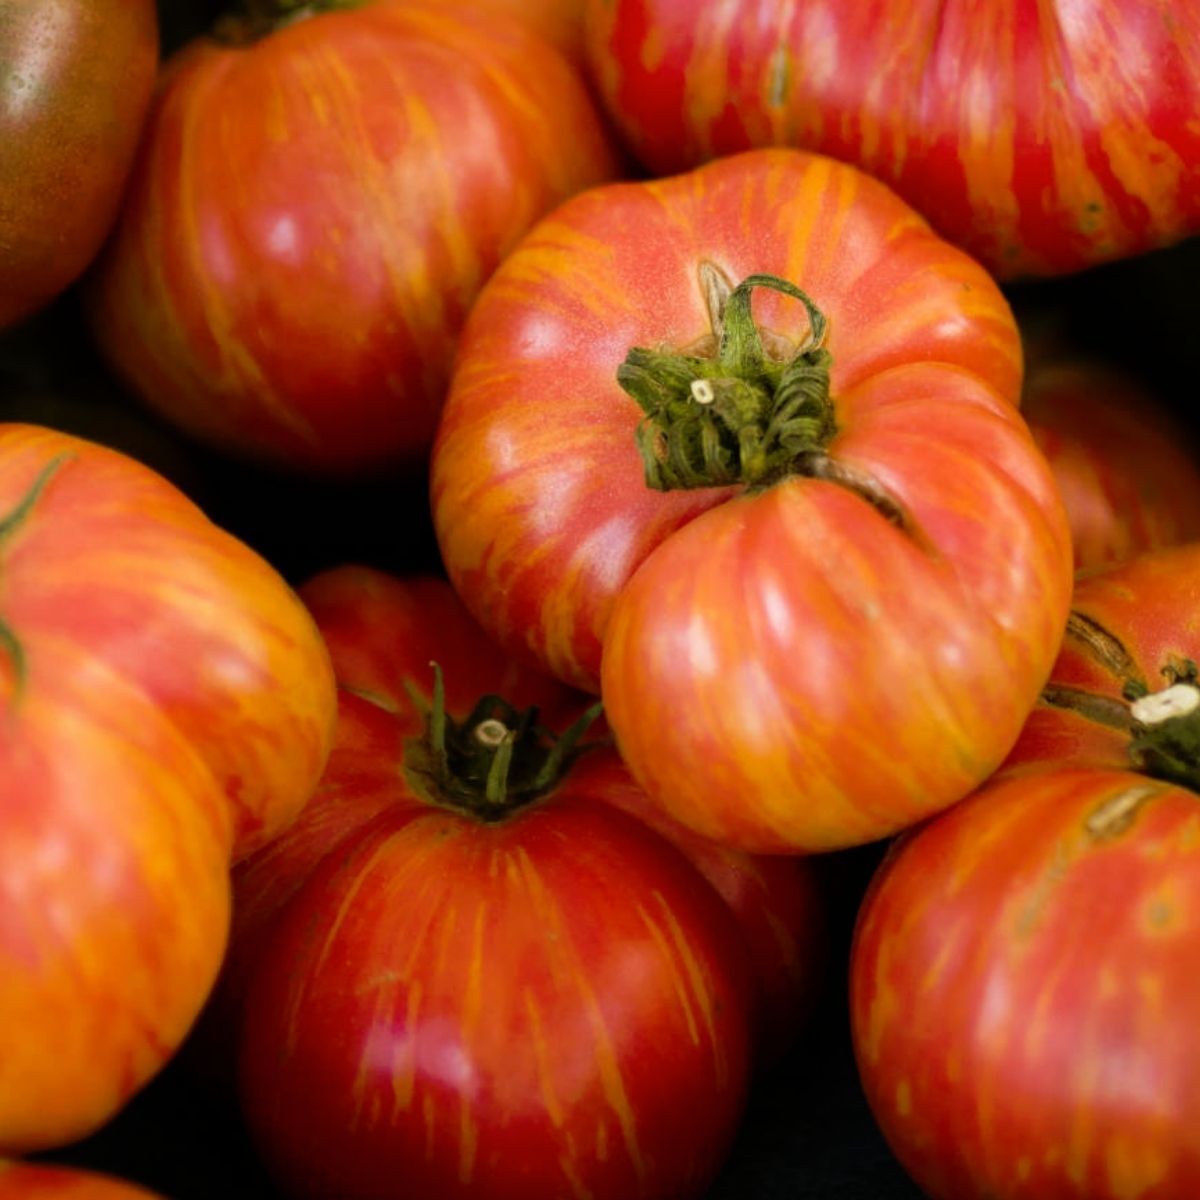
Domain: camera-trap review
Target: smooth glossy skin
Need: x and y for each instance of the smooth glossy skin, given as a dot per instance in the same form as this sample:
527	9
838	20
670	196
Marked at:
784	670
168	707
1042	137
75	84
1124	466
40	1181
315	212
1023	983
553	1004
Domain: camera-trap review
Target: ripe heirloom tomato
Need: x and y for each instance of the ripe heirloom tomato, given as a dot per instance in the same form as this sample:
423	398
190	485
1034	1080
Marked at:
1023	976
1043	138
446	990
75	83
168	706
830	612
313	212
1123	465
39	1181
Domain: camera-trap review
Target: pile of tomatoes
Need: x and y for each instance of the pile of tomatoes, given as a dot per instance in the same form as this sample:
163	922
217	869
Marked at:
558	558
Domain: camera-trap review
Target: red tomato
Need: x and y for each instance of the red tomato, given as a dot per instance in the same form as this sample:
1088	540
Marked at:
1041	137
36	1181
75	84
543	999
847	634
168	706
1023	982
1123	465
313	213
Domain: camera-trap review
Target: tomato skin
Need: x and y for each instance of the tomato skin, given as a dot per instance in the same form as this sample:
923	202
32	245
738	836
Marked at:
1122	464
309	222
1023	969
538	495
38	1181
560	22
75	83
759	632
586	881
1009	1048
563	996
169	707
1041	138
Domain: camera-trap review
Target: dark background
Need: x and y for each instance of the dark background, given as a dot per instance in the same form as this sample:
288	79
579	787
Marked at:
807	1132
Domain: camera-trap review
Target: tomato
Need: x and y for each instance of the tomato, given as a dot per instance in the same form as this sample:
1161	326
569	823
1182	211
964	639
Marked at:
844	632
1123	464
1023	978
560	22
313	212
1043	138
38	1181
75	84
168	707
540	998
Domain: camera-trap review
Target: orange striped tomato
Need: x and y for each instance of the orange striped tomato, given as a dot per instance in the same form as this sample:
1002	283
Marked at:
529	996
1023	980
168	706
39	1181
833	621
315	208
1125	469
1042	137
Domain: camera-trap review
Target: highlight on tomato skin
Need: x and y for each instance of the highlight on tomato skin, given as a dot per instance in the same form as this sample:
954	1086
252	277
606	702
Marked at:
553	989
1044	139
168	704
1023	972
311	217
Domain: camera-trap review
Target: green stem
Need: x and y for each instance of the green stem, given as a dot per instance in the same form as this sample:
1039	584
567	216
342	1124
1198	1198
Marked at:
744	412
1163	726
10	524
495	760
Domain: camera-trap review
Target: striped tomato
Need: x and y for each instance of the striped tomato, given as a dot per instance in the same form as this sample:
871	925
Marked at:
1041	137
830	610
1023	982
168	706
503	986
1125	466
315	208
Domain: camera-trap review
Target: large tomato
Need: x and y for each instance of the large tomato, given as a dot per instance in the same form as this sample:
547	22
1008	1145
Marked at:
75	83
168	705
1024	972
848	631
314	209
1042	137
39	1181
1125	467
531	995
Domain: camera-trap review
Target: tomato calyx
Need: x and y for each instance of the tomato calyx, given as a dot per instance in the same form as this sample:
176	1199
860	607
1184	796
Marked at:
496	760
744	408
10	645
258	18
1163	726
